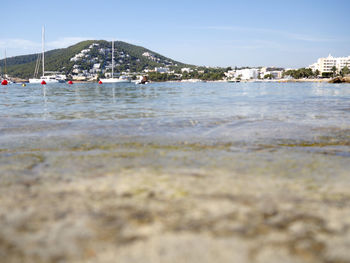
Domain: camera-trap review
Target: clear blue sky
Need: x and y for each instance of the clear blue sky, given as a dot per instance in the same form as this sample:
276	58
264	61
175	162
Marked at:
216	33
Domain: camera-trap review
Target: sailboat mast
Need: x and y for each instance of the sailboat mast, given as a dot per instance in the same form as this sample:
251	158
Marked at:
5	65
112	58
43	48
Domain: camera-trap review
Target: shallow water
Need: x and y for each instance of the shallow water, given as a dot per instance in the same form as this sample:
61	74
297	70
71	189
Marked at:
183	125
175	172
263	113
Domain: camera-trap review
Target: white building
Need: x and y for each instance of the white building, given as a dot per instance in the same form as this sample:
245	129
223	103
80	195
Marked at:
150	56
96	66
244	74
276	73
147	54
85	51
326	64
77	57
93	45
161	70
188	70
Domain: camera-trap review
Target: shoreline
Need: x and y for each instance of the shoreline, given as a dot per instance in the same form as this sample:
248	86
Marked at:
249	81
326	80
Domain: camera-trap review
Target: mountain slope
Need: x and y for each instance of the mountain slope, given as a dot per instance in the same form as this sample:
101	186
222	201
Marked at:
128	57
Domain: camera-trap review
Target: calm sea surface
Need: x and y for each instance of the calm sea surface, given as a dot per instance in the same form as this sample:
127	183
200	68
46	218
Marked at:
230	111
239	118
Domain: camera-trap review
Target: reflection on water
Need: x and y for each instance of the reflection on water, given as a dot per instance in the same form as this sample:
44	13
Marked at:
284	101
233	112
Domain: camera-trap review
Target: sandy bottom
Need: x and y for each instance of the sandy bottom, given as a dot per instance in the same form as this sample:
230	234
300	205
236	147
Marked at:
134	202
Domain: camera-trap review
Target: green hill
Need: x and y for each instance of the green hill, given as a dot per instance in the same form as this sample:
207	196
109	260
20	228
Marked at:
128	57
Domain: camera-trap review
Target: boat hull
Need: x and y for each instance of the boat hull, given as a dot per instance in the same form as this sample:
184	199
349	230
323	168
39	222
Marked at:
38	81
115	80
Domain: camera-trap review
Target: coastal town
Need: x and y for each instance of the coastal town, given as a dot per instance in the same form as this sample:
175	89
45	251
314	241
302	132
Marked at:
95	62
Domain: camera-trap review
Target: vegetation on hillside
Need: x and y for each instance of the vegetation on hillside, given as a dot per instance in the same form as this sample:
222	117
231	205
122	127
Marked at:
59	59
55	60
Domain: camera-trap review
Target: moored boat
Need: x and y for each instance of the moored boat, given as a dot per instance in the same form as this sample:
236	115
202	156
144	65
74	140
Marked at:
43	78
121	79
47	79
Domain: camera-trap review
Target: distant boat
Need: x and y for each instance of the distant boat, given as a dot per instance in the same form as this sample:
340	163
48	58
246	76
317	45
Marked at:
192	80
4	79
142	80
121	79
233	80
47	79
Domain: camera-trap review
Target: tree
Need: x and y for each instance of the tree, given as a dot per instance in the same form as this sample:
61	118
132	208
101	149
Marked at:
268	76
326	74
345	71
317	73
299	73
334	70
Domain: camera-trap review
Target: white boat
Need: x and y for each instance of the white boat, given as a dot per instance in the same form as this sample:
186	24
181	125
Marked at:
47	79
142	80
4	77
121	79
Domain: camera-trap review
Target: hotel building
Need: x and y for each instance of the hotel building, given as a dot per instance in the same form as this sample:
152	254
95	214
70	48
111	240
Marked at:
326	64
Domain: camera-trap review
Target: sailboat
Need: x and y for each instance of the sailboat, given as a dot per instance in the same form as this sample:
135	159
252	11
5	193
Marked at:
47	79
4	79
121	79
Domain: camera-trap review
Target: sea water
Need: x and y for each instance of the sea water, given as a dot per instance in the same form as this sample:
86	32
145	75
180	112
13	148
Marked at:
175	172
241	117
